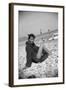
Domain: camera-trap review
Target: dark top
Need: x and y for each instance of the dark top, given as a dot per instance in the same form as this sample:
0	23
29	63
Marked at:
31	50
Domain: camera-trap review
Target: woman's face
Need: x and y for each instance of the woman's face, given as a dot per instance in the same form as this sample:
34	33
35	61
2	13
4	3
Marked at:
31	39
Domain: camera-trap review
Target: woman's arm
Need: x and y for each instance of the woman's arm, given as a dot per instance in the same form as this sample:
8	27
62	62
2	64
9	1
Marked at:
28	56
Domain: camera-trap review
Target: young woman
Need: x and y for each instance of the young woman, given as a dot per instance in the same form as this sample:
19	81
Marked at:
34	53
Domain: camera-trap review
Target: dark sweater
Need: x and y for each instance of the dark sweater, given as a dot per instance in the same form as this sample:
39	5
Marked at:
31	51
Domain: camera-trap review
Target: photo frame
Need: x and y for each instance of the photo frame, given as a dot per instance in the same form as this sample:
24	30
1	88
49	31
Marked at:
46	22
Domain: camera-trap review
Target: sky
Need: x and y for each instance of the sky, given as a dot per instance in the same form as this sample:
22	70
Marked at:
33	22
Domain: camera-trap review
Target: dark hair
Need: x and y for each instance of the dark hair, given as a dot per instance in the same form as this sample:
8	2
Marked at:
31	35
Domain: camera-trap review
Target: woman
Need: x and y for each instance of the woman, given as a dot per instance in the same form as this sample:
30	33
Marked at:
34	53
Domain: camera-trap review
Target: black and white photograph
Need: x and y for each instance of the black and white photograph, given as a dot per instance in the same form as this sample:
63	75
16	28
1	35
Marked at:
37	44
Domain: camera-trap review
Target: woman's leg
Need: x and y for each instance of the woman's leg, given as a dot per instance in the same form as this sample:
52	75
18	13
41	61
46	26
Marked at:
39	54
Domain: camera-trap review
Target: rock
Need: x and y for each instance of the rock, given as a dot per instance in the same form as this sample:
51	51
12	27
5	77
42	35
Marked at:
48	68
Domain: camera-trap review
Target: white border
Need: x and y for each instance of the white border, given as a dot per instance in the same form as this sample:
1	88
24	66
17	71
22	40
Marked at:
60	45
